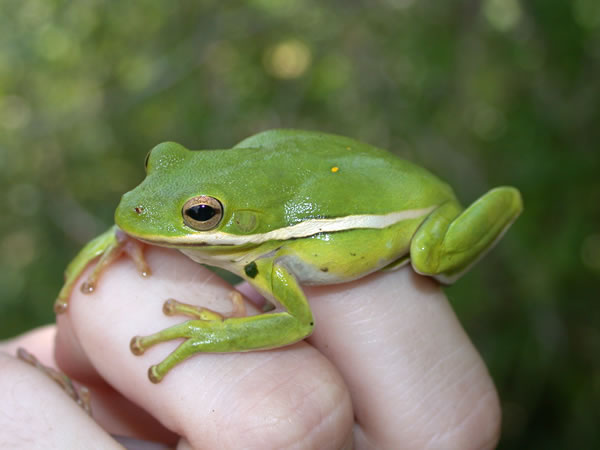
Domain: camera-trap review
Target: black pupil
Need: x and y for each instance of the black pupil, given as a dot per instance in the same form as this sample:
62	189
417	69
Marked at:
201	213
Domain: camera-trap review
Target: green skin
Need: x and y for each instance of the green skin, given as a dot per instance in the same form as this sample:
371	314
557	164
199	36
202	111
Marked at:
380	212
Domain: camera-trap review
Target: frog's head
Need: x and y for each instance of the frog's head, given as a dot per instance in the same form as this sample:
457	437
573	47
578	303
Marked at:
189	198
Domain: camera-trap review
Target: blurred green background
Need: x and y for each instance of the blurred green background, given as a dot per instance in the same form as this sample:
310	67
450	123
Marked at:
482	93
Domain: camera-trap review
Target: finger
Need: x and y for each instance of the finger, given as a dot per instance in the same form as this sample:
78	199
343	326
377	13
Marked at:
36	411
415	378
114	412
110	409
39	342
263	399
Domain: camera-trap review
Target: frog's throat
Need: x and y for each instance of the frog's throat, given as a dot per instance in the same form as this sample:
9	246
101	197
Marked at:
299	230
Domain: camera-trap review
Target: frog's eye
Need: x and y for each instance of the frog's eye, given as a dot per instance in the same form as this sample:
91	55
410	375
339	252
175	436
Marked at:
202	213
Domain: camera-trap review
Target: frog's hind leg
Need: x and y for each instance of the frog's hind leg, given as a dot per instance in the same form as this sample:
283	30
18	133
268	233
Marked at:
450	240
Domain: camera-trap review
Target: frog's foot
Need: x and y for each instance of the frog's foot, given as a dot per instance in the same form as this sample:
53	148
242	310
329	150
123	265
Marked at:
125	245
172	307
451	240
81	395
109	246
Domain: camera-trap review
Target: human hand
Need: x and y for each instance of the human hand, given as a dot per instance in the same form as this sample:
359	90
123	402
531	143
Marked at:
388	366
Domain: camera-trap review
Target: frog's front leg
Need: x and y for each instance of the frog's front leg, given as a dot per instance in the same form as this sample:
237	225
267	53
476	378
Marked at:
450	240
109	246
238	334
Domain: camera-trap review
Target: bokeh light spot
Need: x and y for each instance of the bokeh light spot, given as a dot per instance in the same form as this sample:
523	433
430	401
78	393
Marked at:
24	199
278	7
35	12
138	73
18	249
502	14
54	43
590	252
399	4
587	13
14	112
485	121
288	59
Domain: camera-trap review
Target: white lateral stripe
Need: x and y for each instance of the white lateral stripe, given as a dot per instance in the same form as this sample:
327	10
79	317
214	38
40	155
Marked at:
302	229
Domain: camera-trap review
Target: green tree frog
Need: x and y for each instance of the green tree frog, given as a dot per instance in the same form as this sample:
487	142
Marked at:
284	208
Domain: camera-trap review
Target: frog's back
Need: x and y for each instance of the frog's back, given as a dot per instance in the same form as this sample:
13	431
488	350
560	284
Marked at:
308	145
331	176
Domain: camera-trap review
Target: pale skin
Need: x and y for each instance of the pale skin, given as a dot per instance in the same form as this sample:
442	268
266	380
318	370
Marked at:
426	386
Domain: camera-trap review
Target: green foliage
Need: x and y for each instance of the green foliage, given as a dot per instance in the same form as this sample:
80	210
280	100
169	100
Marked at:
481	92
